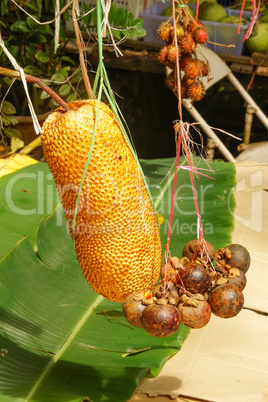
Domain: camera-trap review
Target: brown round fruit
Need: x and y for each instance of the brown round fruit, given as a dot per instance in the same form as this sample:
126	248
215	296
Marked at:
240	257
226	301
195	277
239	281
160	320
195	317
133	308
201	249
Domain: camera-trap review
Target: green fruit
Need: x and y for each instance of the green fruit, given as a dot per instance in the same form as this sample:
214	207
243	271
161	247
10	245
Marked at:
167	12
264	16
232	19
191	12
248	6
258	41
201	1
210	11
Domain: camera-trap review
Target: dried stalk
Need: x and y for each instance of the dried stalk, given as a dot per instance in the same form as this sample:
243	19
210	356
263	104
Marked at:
30	78
79	41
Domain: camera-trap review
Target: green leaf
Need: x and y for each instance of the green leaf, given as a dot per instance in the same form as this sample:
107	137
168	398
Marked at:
94	17
6	82
33	70
59	78
63	34
112	13
137	28
39	7
31	49
12	132
68	60
20	27
87	18
65	71
37	38
44	95
76	77
9	120
42	57
8	108
14	50
64	90
72	97
120	17
39	29
26	197
60	340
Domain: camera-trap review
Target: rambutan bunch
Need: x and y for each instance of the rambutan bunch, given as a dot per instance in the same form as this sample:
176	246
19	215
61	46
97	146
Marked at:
189	32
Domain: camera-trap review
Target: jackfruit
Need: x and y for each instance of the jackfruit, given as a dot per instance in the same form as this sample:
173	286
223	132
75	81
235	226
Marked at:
117	239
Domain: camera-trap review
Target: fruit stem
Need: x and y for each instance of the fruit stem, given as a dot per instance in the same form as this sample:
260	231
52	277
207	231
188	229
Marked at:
79	41
30	78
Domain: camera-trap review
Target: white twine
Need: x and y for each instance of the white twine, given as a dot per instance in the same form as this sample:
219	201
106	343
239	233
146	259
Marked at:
46	22
106	8
57	26
16	66
105	23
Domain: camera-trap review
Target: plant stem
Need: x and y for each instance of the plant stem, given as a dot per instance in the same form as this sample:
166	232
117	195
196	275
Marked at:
79	41
30	78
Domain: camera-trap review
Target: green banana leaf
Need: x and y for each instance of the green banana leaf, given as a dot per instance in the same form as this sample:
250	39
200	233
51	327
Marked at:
59	340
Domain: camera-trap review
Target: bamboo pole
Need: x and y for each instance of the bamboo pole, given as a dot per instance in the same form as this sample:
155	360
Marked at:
187	103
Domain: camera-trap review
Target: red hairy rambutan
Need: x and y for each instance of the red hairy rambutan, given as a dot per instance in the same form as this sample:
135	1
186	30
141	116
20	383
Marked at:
179	32
184	60
196	91
201	35
172	52
164	32
163	54
188	81
187	43
192	68
194	24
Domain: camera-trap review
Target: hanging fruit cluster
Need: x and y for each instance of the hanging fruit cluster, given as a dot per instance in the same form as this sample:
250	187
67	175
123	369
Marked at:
202	282
182	45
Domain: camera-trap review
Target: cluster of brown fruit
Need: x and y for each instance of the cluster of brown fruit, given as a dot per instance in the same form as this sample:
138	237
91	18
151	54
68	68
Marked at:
189	32
202	282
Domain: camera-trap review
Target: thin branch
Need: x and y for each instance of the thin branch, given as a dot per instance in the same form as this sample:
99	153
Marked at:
79	41
30	78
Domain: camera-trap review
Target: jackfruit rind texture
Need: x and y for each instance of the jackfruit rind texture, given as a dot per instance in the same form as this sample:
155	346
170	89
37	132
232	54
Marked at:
117	238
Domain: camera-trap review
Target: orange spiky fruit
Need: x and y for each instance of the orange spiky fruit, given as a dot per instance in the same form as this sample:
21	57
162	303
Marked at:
117	239
195	24
187	43
163	54
172	54
192	68
164	32
196	91
201	35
